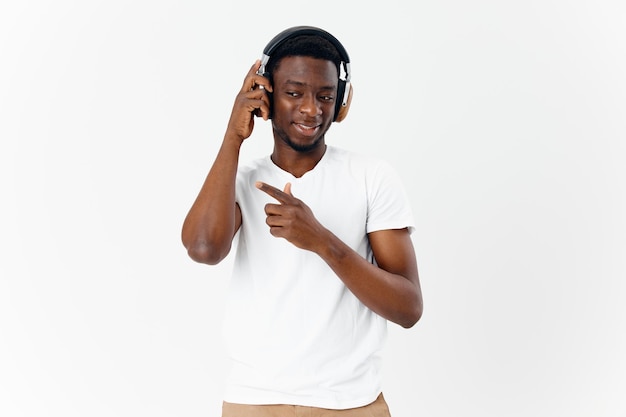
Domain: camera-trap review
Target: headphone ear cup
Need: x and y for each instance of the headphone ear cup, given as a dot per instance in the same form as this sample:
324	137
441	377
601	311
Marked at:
269	95
271	100
342	112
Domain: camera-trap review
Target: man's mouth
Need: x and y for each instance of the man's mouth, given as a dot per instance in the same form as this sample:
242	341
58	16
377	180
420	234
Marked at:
307	130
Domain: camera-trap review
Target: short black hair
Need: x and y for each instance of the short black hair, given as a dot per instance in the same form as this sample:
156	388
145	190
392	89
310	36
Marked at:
304	45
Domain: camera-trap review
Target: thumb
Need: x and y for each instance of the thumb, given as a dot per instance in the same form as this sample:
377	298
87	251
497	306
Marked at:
287	189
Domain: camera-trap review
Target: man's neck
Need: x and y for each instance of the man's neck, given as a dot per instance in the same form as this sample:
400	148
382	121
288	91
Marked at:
297	163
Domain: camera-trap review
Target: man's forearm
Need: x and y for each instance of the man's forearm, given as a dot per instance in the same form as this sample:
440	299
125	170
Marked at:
210	224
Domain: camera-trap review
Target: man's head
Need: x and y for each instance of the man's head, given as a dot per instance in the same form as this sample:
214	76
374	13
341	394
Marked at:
309	41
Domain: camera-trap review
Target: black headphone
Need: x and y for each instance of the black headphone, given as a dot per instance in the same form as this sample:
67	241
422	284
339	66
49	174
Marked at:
344	89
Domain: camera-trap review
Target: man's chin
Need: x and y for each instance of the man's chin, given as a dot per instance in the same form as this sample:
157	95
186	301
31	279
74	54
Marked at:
303	147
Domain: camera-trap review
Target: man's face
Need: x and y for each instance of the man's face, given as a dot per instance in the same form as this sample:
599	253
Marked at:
305	92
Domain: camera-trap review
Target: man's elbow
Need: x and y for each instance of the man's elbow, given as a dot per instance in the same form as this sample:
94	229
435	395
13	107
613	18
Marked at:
205	253
412	317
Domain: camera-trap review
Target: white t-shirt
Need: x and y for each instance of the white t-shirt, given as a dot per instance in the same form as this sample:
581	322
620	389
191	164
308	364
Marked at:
295	333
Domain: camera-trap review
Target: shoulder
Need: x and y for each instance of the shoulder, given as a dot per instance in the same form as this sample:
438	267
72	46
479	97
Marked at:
342	154
356	160
250	167
248	172
361	165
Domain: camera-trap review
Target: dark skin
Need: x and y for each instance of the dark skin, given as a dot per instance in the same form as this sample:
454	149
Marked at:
303	109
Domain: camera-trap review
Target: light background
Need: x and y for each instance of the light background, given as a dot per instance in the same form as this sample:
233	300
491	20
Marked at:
506	120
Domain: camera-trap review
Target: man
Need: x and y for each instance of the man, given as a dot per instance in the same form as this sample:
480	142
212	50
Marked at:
324	255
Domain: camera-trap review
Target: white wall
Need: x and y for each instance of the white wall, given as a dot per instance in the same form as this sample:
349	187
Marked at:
506	119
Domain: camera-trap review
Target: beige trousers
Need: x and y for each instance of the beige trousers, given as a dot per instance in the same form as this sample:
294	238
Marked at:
376	409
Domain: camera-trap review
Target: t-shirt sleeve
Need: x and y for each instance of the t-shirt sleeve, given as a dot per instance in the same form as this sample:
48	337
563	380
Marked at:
388	203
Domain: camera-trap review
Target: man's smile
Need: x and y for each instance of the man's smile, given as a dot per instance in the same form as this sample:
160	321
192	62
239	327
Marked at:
307	129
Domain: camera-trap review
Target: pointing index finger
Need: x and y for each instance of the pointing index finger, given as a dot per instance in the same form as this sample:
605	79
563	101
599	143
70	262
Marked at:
272	191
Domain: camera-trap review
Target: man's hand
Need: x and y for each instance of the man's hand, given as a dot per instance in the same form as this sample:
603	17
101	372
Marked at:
291	219
252	100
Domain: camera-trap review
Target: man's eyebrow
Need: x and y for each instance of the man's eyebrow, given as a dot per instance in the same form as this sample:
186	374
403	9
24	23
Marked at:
294	82
304	84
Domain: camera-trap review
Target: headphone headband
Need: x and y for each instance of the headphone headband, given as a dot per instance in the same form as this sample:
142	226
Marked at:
305	30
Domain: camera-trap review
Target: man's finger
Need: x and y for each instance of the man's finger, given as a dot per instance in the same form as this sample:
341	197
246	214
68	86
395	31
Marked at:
281	196
273	210
253	80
